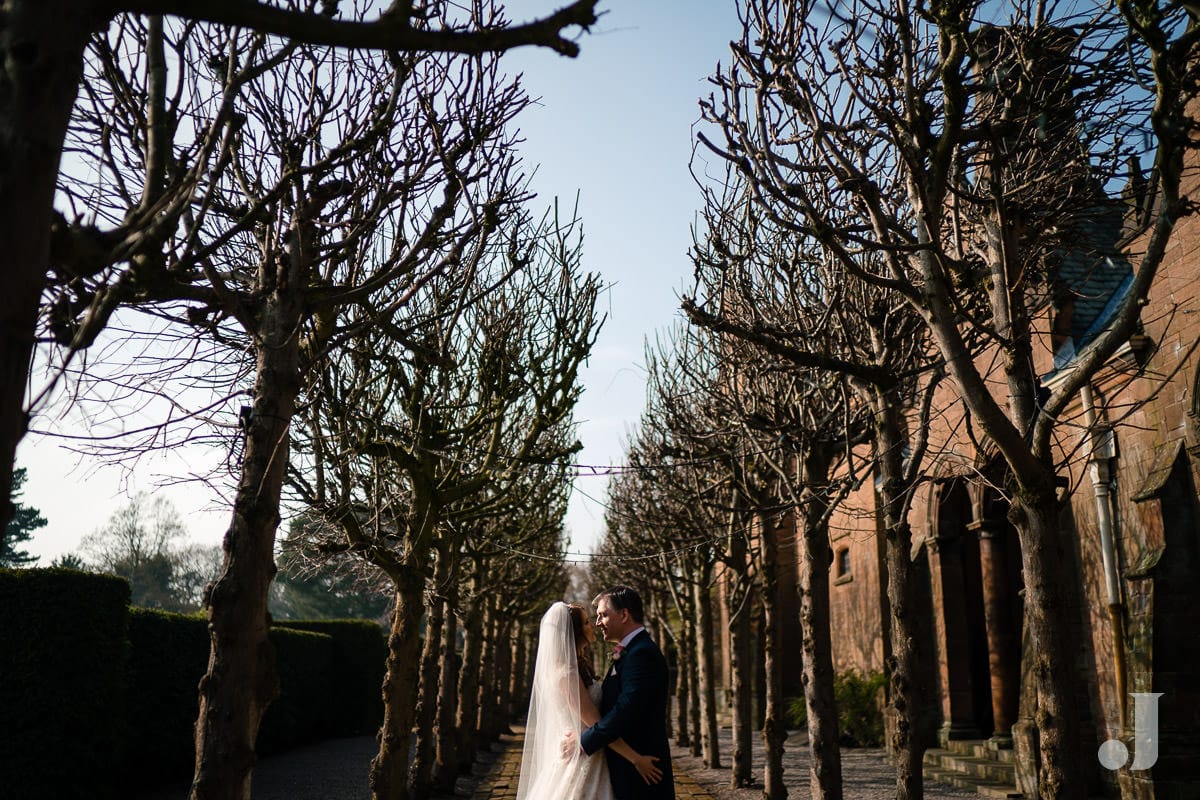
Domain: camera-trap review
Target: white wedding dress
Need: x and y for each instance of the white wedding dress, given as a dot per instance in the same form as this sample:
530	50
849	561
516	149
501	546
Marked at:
553	717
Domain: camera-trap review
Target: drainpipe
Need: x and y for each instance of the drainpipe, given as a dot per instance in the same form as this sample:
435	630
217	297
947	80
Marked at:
1103	450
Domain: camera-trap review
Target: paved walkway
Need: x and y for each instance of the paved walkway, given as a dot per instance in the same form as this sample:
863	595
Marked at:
338	770
501	781
866	775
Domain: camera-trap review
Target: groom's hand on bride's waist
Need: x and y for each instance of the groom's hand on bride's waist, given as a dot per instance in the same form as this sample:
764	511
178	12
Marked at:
568	747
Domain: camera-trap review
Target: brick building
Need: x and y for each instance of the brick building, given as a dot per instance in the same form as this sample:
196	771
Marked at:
1131	450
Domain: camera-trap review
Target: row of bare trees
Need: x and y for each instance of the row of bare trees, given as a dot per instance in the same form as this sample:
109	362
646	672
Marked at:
301	238
900	190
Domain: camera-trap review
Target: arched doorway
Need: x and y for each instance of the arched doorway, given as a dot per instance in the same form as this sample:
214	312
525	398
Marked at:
975	572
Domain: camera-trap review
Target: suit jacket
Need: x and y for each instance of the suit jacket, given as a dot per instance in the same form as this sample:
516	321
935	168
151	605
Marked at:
634	708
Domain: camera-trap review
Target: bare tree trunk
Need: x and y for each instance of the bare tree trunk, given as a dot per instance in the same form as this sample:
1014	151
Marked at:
694	717
817	647
1036	517
241	681
445	769
44	41
487	671
502	682
517	701
389	769
683	687
904	664
741	678
420	776
667	634
774	727
468	684
704	662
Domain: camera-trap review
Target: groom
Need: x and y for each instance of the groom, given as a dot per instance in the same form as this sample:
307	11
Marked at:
634	701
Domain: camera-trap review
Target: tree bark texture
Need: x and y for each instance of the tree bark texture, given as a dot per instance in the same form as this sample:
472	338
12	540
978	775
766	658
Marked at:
710	744
420	778
774	728
501	685
683	687
817	643
43	43
741	651
904	665
487	670
518	699
389	768
240	681
468	685
694	716
445	767
1035	513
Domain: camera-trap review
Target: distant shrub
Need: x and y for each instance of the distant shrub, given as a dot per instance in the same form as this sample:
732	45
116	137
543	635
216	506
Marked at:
860	715
99	698
795	712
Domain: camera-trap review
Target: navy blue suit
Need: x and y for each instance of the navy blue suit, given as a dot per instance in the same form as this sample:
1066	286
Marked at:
633	707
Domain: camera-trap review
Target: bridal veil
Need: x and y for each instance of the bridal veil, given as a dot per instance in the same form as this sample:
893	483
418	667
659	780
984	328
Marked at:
553	710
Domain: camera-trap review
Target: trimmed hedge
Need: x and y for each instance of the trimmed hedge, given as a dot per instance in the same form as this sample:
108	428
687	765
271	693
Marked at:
169	656
63	657
359	664
305	664
97	698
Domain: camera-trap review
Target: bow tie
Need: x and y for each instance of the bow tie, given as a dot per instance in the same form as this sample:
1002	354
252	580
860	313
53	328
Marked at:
616	651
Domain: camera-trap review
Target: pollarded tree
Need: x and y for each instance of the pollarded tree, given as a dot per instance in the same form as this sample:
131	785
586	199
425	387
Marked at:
966	149
434	417
774	291
317	181
51	37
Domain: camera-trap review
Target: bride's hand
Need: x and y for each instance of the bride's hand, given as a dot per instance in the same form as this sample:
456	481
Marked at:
646	768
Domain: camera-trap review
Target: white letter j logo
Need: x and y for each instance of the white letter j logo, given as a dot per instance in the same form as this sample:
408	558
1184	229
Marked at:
1113	754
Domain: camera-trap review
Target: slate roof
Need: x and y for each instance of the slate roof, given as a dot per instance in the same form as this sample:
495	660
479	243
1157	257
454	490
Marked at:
1098	275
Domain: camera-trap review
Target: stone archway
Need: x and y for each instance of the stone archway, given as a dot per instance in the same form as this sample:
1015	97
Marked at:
956	584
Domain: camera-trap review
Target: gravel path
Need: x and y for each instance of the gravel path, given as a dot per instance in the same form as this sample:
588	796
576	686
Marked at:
866	775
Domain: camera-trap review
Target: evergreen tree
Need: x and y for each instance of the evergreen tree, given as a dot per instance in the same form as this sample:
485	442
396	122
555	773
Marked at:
20	528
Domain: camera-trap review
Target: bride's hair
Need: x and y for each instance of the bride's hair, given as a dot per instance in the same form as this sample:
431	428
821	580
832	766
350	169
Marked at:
583	650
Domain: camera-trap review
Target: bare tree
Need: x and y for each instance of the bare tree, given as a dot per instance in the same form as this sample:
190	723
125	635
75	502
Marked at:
320	180
968	159
774	291
432	421
143	542
51	37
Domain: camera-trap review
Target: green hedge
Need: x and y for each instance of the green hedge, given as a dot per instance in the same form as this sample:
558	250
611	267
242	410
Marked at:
96	695
169	656
307	691
63	657
359	656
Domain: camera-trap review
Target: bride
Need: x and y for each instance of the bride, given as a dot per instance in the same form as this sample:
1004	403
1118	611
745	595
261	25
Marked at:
564	701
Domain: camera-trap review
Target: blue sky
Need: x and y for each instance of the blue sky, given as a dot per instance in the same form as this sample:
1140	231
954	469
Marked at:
614	125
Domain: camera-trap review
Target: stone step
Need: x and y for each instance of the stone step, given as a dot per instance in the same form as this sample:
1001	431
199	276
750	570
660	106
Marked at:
985	768
979	748
972	783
